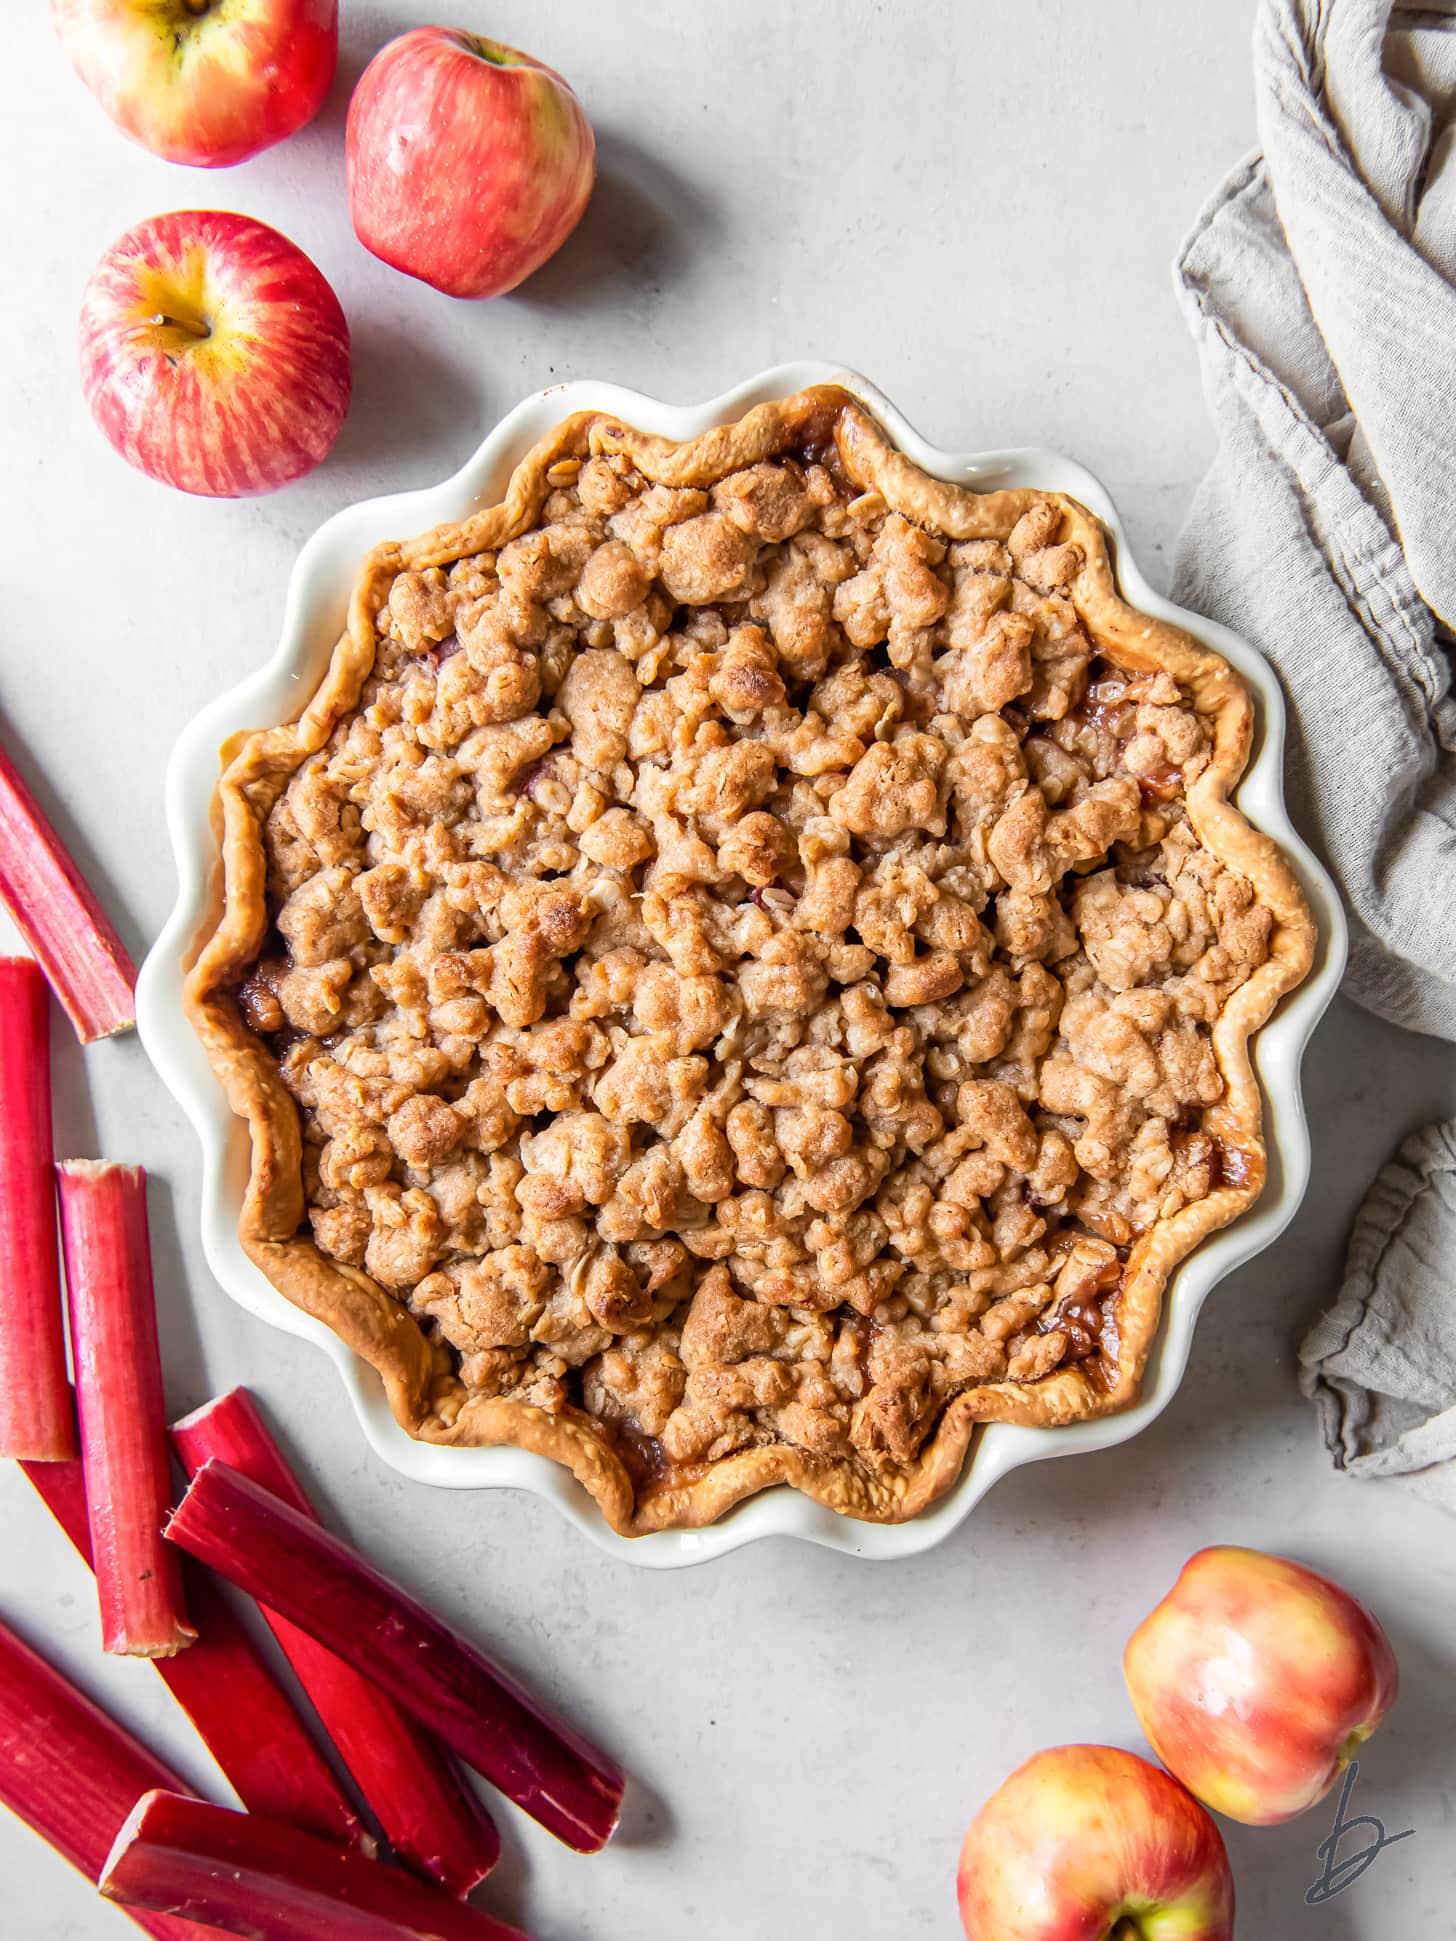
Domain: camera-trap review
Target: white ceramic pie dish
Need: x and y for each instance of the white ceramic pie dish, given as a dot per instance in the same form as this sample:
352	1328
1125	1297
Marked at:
317	598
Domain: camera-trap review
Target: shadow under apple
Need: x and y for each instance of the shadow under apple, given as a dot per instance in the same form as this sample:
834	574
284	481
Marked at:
411	402
642	228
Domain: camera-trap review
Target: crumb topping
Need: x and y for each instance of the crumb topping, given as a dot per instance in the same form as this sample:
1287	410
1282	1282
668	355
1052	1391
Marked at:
745	968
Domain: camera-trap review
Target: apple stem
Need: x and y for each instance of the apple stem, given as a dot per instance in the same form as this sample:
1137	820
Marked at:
180	323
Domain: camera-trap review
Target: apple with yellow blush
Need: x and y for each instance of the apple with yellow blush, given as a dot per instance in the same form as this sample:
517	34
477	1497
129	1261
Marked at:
469	162
207	82
214	354
1256	1680
1090	1843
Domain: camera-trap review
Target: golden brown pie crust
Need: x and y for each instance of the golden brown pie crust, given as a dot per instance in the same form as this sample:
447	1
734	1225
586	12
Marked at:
258	765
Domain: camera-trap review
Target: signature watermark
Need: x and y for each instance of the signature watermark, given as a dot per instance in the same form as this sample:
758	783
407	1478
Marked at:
1342	1873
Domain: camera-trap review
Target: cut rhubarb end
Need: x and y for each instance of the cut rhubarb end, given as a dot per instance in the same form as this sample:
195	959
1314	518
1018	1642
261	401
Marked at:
223	1683
256	1877
70	1771
433	1821
37	1422
231	1429
55	910
119	1400
320	1584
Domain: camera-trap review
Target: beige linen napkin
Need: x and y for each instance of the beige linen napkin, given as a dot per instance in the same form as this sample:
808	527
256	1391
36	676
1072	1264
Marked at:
1380	1364
1320	285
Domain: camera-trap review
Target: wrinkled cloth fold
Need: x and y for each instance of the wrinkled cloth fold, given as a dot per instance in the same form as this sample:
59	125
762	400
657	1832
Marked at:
1320	286
1381	1365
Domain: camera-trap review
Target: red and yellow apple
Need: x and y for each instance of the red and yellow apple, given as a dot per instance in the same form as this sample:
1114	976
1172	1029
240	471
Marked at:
214	355
1089	1843
1255	1680
469	163
203	81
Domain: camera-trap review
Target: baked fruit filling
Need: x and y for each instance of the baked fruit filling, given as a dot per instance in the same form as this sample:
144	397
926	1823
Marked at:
747	973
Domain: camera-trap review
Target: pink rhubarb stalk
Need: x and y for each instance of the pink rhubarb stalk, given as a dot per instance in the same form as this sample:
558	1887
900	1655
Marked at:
70	1771
431	1818
223	1683
320	1584
119	1400
268	1881
56	912
36	1420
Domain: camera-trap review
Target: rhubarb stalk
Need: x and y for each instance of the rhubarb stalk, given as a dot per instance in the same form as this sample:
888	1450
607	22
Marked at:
119	1400
224	1685
316	1581
70	1771
36	1420
431	1818
56	912
259	1878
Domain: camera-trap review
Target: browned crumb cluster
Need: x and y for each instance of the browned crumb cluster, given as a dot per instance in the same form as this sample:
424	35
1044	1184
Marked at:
745	967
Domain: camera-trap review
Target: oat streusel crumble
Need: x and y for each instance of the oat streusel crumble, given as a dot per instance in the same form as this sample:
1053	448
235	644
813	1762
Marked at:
744	968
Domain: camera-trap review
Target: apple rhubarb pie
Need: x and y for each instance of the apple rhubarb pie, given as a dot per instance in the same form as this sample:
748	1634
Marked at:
744	968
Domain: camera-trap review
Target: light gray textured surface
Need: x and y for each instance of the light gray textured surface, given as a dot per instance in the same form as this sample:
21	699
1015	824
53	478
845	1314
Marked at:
976	206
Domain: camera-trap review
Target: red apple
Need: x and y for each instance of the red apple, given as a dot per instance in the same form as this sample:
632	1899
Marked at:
213	354
469	163
203	81
1088	1843
1255	1680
